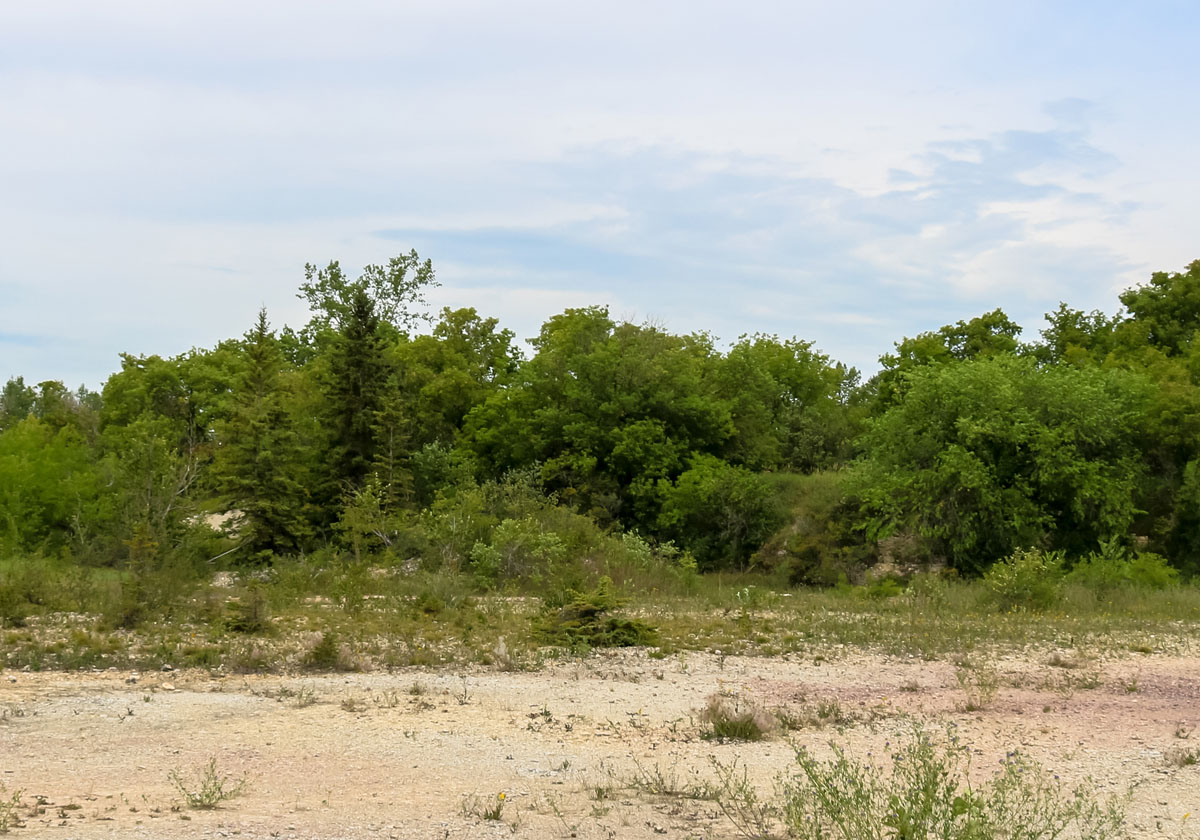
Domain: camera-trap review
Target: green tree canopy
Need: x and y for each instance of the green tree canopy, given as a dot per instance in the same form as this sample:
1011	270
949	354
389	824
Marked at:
988	456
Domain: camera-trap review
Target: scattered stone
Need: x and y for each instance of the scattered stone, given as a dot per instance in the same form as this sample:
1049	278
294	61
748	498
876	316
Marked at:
167	667
167	687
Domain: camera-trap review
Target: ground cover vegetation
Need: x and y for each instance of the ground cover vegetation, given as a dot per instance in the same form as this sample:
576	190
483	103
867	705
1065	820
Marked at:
378	486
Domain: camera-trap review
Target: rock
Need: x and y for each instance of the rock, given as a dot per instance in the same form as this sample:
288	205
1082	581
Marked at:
167	687
131	679
167	668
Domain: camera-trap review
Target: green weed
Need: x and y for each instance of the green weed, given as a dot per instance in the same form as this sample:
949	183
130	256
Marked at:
209	788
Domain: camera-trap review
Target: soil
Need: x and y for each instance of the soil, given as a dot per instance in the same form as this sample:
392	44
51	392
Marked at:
423	753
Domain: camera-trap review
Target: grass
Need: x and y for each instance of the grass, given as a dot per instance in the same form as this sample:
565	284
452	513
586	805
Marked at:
209	787
485	808
428	619
730	717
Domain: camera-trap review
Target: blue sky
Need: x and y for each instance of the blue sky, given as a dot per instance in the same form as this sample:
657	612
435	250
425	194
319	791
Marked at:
849	175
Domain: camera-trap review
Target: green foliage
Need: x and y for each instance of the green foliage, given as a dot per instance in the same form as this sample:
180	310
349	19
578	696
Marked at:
209	788
1164	313
326	654
990	334
606	411
719	512
396	292
813	546
519	549
786	403
1114	567
251	613
259	466
987	456
584	622
924	792
9	805
1026	579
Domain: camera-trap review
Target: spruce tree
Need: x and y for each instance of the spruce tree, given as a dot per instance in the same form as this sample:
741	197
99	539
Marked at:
354	391
259	463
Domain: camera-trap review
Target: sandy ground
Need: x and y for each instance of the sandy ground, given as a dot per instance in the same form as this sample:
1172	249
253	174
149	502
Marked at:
421	753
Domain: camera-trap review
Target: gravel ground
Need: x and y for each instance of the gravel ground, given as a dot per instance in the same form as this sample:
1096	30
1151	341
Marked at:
423	753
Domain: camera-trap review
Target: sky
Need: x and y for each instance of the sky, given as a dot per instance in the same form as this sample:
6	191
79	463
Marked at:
847	173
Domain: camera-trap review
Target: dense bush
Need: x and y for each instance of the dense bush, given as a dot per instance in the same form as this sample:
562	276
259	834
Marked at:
1026	579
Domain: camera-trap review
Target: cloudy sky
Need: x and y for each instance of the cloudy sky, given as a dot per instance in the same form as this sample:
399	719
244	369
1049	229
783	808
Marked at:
848	173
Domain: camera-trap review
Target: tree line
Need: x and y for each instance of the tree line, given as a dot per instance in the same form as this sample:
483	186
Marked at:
372	433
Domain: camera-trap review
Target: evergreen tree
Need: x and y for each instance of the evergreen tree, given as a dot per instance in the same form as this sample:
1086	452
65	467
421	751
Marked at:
259	461
354	391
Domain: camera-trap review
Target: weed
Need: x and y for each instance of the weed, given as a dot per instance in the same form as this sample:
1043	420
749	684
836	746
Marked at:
9	803
1027	579
1183	757
486	808
733	718
979	682
654	780
739	802
210	787
1129	684
923	792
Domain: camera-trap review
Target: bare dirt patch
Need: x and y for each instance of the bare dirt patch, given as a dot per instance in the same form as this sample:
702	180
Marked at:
610	746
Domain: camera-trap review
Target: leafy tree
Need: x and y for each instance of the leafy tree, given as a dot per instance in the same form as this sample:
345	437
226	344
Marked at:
259	460
394	290
719	512
1074	336
989	456
446	374
151	481
48	484
787	406
606	410
990	334
1164	313
16	402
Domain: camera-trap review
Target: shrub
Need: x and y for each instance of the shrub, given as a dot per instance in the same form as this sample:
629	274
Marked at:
519	549
1113	567
1026	579
250	613
327	654
924	793
584	622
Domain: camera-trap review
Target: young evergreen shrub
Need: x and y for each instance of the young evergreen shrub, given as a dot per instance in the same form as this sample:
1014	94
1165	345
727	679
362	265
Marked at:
1026	579
584	622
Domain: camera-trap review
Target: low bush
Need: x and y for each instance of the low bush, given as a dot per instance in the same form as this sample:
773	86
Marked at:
1114	567
584	623
1026	579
